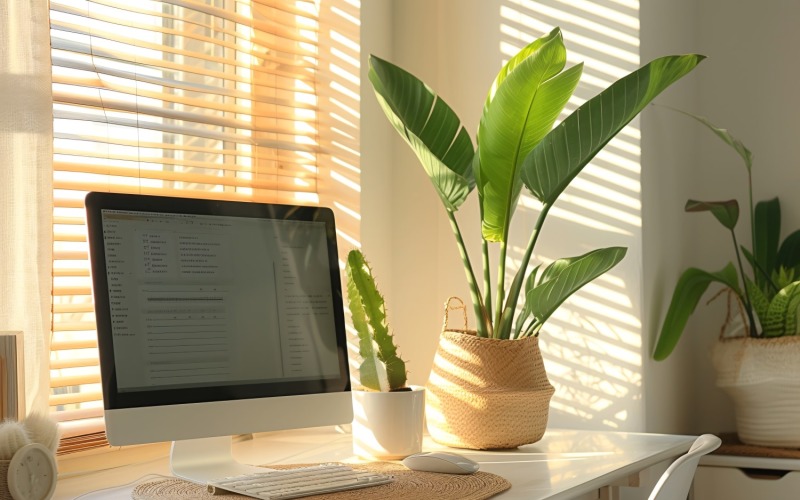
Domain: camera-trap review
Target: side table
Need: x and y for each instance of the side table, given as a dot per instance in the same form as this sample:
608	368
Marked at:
737	471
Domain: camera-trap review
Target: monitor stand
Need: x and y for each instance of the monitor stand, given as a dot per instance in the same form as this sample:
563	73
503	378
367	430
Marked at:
207	459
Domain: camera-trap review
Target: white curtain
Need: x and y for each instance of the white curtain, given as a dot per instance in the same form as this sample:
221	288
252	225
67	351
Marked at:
26	155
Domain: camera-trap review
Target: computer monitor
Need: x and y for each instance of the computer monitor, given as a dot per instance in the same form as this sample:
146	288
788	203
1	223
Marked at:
214	319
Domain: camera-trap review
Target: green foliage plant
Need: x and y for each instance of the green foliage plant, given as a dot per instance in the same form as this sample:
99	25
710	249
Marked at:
381	368
518	147
770	294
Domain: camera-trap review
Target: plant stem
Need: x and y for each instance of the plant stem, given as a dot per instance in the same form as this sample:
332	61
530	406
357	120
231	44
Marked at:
501	280
484	325
757	269
752	217
487	278
503	327
747	303
532	330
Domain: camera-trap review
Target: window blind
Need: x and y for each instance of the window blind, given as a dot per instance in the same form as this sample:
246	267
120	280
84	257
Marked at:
248	100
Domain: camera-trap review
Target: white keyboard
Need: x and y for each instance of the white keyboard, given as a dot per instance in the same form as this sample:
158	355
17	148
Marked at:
299	482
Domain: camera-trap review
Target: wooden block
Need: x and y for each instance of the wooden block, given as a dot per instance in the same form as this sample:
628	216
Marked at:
12	376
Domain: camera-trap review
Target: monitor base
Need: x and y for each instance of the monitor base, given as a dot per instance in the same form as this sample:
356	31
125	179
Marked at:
207	459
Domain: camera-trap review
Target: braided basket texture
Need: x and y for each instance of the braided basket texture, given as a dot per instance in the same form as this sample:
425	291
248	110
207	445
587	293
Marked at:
762	377
487	393
4	493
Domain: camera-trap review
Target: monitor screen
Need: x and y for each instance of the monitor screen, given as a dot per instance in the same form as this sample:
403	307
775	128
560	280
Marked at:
205	306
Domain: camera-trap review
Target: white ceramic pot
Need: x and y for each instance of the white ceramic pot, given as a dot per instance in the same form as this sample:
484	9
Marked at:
762	376
388	425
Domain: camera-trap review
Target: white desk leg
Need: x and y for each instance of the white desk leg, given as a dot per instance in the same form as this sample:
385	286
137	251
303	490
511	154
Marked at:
611	491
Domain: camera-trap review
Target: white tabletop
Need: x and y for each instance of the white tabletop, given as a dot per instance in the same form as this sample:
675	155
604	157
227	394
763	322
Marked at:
564	464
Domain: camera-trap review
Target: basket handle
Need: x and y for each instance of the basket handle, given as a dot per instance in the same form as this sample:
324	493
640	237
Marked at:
448	306
730	312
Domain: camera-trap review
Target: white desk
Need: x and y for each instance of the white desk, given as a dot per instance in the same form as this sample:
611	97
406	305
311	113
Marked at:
565	464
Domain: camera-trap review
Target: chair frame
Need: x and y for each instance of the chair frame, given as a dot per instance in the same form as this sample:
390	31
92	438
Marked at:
676	481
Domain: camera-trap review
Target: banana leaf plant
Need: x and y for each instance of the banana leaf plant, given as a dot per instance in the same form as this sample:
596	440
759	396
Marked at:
518	146
770	294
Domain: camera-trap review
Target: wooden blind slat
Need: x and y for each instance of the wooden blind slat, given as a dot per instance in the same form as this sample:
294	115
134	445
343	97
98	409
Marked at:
125	118
226	177
71	345
271	182
71	255
73	308
145	165
62	364
74	380
97	77
70	89
75	398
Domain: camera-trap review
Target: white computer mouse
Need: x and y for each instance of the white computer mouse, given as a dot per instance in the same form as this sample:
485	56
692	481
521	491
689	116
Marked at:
441	461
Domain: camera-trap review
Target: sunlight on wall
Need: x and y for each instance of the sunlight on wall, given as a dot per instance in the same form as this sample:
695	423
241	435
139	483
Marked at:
592	345
339	126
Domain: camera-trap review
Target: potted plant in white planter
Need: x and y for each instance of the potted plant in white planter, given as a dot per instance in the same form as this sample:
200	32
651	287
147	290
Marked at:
757	364
388	415
517	146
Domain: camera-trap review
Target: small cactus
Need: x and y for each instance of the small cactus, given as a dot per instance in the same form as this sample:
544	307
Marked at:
381	368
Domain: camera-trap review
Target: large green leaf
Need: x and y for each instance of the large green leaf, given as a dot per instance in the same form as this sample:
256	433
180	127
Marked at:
524	102
554	269
726	212
789	253
515	61
767	227
430	127
691	286
783	311
569	276
563	153
727	137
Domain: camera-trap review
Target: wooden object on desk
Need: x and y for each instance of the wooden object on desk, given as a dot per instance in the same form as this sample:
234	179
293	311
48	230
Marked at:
12	375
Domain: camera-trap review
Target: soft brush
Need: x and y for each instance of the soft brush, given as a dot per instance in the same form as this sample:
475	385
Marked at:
13	436
42	430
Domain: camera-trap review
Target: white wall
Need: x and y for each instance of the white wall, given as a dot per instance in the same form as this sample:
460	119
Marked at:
455	46
748	85
669	152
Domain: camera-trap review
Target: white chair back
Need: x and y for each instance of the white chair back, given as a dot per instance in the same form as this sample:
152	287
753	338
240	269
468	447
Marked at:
674	484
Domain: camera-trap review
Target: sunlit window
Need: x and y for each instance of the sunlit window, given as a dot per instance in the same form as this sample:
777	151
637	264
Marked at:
224	99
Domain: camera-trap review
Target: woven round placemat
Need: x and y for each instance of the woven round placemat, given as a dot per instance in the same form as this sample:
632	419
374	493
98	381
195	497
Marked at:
407	485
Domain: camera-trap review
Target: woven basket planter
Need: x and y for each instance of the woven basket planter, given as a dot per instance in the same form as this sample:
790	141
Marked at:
762	376
4	493
487	393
